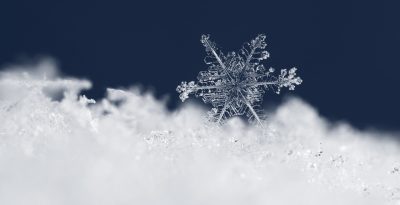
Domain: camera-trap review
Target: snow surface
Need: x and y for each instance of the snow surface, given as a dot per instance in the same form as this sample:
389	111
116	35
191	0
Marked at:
129	149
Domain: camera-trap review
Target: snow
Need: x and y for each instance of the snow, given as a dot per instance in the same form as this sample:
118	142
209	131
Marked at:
129	149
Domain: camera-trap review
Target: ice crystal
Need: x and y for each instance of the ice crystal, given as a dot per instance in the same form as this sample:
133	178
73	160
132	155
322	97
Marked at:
234	83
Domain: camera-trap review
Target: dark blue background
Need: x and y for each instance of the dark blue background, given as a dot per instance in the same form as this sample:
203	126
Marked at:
347	51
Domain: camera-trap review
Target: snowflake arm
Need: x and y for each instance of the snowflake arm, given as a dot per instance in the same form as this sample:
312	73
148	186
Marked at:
252	111
184	89
222	112
255	47
211	50
285	79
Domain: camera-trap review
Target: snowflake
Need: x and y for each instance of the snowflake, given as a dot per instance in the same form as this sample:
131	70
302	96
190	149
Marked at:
234	84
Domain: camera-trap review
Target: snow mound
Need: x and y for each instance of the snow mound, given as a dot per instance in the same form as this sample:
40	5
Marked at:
57	147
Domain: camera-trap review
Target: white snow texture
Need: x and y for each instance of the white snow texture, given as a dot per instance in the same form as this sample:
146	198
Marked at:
129	149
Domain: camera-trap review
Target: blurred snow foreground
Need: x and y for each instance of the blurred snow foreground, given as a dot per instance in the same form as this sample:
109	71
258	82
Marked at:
57	147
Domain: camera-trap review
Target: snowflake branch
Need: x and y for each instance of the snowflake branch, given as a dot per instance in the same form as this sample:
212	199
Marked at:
209	87
262	83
